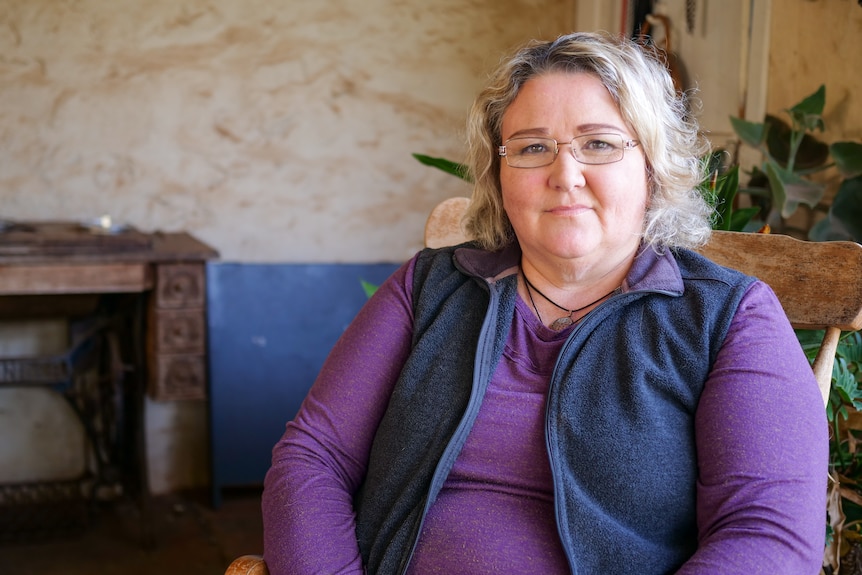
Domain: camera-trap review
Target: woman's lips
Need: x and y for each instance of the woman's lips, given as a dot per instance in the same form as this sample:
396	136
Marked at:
568	210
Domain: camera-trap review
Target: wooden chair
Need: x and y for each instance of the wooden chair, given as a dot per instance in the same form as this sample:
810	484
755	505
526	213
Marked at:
247	565
819	285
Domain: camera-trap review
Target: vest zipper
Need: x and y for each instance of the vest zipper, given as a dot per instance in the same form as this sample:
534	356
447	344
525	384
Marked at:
464	426
551	459
551	384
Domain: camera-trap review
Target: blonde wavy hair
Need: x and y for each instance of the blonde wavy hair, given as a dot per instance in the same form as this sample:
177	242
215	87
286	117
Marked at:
676	214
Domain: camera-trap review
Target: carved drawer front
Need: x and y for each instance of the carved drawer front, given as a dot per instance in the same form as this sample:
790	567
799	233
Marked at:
180	376
180	286
176	345
180	331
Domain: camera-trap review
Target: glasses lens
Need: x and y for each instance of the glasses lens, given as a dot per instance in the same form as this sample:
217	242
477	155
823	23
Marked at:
598	148
530	152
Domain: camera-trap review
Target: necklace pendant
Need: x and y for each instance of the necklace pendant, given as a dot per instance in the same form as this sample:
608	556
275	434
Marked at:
561	323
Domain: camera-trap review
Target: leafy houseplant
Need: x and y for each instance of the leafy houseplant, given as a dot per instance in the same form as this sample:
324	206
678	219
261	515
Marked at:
720	188
791	158
448	166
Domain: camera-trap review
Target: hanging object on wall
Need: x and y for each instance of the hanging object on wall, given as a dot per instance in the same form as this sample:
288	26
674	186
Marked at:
639	10
663	47
691	15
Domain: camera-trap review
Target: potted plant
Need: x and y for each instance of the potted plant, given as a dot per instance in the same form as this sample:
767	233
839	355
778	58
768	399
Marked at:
792	157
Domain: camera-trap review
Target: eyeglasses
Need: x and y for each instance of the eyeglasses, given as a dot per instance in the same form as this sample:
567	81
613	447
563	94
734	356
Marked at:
590	149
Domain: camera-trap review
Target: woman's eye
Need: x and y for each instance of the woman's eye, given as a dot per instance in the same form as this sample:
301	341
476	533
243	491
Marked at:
535	149
598	145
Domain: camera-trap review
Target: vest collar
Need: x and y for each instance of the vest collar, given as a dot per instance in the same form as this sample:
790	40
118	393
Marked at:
650	271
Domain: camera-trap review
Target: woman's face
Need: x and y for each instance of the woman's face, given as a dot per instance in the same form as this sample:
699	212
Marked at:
568	210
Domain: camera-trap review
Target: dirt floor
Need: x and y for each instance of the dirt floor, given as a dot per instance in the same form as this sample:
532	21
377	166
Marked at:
189	538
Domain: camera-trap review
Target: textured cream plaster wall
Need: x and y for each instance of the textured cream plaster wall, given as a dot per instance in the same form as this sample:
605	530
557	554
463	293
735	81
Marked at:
274	130
813	43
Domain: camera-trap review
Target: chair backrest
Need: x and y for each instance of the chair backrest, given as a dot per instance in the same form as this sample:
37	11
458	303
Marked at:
819	284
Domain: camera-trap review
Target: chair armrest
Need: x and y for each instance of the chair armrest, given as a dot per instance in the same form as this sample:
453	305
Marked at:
247	565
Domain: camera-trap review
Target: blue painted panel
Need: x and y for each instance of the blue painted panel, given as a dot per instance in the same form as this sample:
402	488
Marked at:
270	329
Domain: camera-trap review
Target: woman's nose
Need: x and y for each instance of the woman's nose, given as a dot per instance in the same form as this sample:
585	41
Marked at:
566	172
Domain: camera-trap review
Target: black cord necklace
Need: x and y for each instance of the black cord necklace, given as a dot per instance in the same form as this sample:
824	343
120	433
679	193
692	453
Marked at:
567	320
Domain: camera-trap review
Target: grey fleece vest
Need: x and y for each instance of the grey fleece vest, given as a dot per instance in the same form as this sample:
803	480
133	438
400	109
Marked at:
619	419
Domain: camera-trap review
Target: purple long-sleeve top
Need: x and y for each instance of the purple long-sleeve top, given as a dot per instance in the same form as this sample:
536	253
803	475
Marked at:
760	434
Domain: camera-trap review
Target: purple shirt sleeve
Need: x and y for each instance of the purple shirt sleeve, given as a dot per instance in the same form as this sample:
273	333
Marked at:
762	443
320	461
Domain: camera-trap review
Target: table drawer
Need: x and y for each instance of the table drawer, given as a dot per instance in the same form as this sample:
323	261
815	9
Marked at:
179	331
180	286
176	339
181	376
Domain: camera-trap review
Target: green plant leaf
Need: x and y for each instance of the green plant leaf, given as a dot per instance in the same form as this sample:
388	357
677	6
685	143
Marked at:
810	340
828	230
810	109
813	103
811	153
742	217
448	166
848	158
369	288
776	185
846	209
725	191
789	189
844	382
751	133
720	192
850	347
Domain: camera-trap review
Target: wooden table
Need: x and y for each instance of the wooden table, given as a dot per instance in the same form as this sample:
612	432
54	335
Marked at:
149	293
65	259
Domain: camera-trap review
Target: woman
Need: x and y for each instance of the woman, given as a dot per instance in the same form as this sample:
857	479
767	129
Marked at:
574	392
